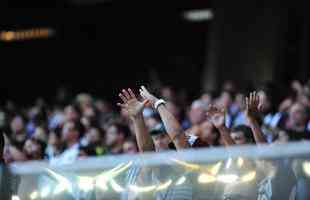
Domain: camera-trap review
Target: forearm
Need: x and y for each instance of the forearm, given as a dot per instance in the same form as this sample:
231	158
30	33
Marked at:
257	132
173	128
225	134
144	139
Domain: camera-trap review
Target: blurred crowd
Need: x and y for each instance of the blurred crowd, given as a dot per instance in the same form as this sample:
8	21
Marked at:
75	128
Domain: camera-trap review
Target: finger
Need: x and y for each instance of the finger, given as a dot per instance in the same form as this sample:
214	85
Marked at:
122	97
145	102
257	99
131	93
260	107
208	116
144	89
247	103
121	105
126	94
251	99
254	98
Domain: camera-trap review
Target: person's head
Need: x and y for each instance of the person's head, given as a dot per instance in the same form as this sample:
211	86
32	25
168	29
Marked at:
197	113
160	138
71	132
84	101
86	151
71	113
209	133
229	86
34	149
242	135
17	124
103	106
168	93
207	97
116	133
95	136
298	115
225	99
54	137
130	147
40	134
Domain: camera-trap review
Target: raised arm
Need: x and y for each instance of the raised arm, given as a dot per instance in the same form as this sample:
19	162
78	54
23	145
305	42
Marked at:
173	127
217	117
252	113
134	109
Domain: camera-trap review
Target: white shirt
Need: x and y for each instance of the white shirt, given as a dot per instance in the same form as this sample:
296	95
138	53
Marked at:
69	156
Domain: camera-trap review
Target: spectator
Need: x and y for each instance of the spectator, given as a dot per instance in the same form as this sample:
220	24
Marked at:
242	135
160	138
130	146
116	135
34	149
70	136
54	146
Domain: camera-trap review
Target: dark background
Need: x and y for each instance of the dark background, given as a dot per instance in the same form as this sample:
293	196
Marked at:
103	47
100	48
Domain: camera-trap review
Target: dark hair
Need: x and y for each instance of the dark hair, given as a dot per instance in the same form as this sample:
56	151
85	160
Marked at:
246	131
42	144
89	150
121	128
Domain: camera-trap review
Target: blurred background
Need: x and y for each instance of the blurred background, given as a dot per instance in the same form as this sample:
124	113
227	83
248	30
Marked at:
99	46
63	64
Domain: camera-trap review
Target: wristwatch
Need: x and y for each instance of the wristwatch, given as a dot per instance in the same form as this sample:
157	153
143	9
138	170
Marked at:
158	103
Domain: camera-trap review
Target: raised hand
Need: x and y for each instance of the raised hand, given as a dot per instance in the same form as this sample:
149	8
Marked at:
216	116
147	95
252	113
131	104
252	107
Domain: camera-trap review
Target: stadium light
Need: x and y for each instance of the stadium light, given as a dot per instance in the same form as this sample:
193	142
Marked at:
27	34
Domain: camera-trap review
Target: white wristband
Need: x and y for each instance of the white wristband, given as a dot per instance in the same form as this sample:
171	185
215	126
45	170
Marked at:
158	103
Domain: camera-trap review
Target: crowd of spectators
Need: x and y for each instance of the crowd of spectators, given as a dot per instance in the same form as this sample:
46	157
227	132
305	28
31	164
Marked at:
87	126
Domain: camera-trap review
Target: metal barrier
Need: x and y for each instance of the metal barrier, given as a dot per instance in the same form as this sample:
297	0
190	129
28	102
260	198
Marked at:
279	171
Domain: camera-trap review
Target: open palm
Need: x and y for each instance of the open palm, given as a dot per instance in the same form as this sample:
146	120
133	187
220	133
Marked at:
131	104
252	106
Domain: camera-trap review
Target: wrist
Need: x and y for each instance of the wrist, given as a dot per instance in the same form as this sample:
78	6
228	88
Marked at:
159	103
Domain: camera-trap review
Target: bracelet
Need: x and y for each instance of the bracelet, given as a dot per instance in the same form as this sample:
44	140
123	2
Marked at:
158	103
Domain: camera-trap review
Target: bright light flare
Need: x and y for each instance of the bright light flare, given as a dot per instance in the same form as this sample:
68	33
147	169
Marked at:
248	177
45	192
34	195
139	189
227	178
181	180
206	178
86	183
164	185
306	167
216	168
